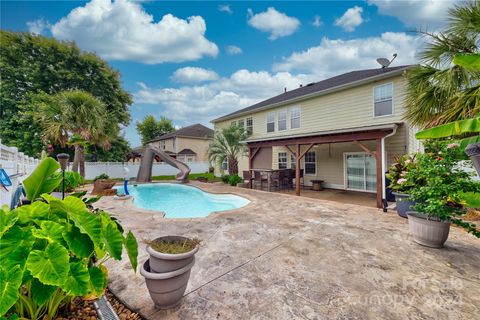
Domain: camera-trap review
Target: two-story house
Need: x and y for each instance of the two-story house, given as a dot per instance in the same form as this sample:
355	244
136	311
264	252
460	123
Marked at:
344	130
187	144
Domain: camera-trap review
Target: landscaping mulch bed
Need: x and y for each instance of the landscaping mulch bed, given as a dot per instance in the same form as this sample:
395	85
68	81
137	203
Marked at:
85	310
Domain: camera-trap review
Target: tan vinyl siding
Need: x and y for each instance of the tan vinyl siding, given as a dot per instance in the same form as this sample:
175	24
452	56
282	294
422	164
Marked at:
199	146
349	108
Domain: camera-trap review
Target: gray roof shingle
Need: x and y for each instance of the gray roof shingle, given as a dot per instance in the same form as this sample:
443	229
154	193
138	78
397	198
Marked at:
194	131
317	87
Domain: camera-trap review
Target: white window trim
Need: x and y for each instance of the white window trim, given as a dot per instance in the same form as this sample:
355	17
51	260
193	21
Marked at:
345	184
299	118
246	124
316	165
286	159
274	119
238	123
278	119
373	100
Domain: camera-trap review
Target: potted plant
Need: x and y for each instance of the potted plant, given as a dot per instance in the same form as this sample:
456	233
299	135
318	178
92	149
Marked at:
167	271
439	198
399	183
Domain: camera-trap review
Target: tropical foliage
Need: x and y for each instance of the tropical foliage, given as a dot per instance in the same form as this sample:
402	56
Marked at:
75	118
440	91
32	64
228	145
54	250
465	131
397	173
440	195
149	128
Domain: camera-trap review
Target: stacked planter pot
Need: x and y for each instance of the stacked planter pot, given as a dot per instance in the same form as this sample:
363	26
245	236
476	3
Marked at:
403	203
166	275
428	231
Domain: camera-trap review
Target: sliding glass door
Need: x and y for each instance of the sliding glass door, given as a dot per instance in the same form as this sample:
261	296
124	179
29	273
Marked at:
360	171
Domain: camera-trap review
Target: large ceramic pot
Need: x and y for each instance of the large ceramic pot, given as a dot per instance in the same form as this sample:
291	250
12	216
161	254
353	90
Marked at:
473	151
166	289
403	203
428	231
166	262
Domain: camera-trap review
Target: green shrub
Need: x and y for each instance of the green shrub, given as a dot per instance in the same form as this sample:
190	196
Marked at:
101	176
234	180
72	181
53	250
225	178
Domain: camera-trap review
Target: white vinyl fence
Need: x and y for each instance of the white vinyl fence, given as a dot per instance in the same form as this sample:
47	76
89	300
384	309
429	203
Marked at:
115	169
17	166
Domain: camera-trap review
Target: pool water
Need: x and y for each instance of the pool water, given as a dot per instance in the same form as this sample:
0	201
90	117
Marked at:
180	201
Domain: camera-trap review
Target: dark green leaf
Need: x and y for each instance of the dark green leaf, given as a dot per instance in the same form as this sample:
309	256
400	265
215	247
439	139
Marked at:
78	281
41	292
50	266
10	282
131	245
41	180
15	246
80	244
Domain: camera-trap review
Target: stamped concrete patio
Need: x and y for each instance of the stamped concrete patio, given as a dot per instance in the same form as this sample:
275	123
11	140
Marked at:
288	257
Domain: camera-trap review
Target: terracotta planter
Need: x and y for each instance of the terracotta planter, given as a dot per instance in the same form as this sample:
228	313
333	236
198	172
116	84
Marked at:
166	289
403	203
429	232
167	262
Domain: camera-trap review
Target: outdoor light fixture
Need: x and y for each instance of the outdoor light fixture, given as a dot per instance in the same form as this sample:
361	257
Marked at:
63	160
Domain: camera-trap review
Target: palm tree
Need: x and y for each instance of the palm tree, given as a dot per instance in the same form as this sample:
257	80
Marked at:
77	118
440	91
228	144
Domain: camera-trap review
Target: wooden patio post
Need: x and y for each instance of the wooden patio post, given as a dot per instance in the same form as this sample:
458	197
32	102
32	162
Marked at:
297	170
379	157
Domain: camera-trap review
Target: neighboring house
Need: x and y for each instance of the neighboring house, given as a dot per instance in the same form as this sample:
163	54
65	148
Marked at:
343	130
187	144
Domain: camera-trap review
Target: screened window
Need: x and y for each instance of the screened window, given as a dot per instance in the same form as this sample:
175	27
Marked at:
295	118
241	123
234	123
282	120
249	124
270	121
282	160
383	105
311	163
293	162
162	144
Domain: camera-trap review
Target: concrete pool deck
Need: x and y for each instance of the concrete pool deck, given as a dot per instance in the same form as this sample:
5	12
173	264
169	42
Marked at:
288	257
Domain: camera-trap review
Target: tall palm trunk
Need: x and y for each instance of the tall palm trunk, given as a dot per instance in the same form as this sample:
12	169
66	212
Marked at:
232	165
79	160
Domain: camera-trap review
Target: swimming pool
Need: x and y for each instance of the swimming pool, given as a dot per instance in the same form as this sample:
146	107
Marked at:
180	201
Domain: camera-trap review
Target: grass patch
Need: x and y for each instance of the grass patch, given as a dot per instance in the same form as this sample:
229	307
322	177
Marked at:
193	176
174	247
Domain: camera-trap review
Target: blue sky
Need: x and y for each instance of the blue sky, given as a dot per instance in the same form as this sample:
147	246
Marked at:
194	61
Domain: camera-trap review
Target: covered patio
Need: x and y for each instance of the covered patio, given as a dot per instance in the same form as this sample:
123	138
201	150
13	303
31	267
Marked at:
299	145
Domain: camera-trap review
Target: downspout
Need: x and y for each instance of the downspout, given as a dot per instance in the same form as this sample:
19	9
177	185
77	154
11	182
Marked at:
384	165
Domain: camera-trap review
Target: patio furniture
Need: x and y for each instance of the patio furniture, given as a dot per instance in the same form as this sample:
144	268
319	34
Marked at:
259	179
281	179
288	178
275	180
317	185
247	177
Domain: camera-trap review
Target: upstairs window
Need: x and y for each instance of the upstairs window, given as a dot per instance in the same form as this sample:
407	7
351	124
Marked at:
295	118
282	160
382	100
250	125
162	144
271	122
282	120
241	123
311	163
234	123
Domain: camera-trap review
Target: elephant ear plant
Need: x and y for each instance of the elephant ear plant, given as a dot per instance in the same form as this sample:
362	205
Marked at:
53	251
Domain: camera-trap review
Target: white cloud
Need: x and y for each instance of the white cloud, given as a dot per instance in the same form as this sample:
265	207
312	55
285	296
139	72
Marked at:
317	22
225	8
351	19
193	74
234	50
416	13
38	26
208	101
333	57
122	30
276	23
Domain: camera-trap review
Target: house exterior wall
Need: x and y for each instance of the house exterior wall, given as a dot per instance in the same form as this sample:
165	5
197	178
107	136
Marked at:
169	145
350	108
199	146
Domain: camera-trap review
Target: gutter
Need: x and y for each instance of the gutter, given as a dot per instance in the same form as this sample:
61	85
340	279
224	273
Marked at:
315	94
